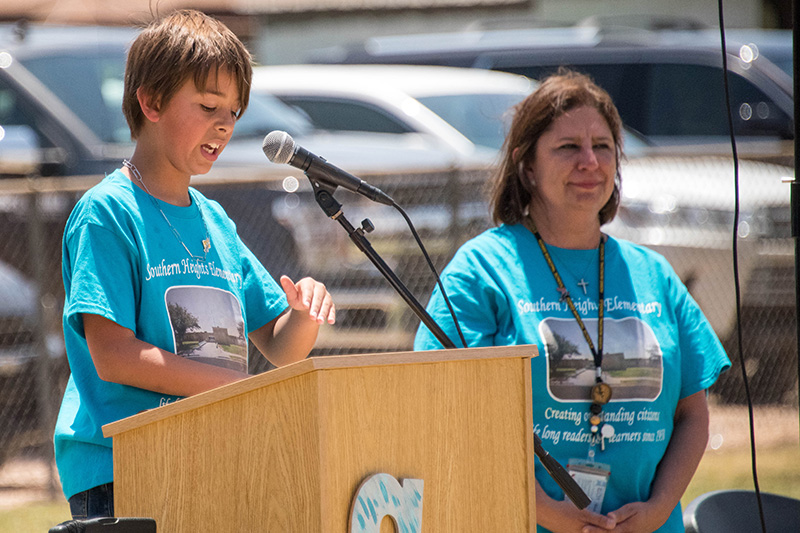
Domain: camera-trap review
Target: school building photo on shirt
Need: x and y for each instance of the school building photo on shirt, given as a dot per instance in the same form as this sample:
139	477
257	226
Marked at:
632	359
212	334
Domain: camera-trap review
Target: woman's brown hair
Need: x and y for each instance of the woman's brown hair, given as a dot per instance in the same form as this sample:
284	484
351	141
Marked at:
511	192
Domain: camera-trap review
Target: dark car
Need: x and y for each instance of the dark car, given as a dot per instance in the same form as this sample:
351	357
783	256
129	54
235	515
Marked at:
668	85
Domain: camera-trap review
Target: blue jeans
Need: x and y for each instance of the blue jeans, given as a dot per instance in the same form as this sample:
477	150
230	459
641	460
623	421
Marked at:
93	503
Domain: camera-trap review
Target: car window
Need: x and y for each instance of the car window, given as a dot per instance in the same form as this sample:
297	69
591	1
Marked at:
626	83
91	86
484	119
347	115
12	110
16	110
265	113
682	102
670	100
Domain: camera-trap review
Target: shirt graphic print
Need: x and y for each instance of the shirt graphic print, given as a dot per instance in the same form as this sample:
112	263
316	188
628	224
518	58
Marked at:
207	326
632	359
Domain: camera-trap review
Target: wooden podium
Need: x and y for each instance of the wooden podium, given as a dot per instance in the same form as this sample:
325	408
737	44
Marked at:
286	451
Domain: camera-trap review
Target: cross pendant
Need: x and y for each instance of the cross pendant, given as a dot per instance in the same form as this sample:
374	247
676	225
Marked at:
583	284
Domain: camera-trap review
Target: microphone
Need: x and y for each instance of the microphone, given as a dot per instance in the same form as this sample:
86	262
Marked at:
279	147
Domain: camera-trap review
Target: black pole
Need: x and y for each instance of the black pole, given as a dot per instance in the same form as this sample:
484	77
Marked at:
795	185
323	194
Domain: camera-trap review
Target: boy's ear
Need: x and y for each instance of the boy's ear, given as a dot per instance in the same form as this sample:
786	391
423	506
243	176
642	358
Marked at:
150	105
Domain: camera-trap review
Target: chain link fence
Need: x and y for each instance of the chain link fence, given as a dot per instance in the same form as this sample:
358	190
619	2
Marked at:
290	234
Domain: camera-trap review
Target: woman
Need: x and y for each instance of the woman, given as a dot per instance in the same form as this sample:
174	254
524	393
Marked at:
626	355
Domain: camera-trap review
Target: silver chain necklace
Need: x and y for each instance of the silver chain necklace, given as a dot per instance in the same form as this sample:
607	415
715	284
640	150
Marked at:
206	242
583	284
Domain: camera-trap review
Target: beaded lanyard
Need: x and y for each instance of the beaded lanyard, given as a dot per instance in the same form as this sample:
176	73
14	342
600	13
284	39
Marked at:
601	392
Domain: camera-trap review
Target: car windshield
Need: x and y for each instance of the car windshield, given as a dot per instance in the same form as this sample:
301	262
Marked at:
91	85
484	119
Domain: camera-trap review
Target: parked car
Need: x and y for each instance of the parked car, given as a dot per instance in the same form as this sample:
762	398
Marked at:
17	318
668	85
378	98
21	378
464	107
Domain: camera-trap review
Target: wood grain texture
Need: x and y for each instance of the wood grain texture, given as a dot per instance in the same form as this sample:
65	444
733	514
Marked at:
288	453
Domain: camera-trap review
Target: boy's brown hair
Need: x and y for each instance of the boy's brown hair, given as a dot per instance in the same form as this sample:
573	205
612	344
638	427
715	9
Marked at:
183	44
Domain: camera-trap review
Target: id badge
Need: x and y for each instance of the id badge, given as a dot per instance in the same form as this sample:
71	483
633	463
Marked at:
592	478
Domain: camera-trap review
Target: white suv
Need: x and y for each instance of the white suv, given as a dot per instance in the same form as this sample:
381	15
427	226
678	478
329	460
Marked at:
462	108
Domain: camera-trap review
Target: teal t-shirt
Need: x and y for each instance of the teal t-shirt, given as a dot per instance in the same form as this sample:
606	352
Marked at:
122	260
658	346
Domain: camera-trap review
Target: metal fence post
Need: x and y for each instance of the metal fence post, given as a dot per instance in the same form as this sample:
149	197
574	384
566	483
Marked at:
36	249
453	200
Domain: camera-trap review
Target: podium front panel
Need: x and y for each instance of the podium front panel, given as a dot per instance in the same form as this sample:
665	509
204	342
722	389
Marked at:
287	450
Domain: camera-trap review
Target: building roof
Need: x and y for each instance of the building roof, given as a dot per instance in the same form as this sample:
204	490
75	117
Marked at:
137	11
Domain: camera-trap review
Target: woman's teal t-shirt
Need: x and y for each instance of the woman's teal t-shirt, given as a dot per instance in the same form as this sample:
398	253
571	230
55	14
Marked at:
658	346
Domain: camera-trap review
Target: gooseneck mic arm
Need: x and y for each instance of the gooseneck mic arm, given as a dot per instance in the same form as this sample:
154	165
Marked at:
279	147
323	193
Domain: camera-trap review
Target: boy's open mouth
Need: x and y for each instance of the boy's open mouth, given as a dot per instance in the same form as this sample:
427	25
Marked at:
211	148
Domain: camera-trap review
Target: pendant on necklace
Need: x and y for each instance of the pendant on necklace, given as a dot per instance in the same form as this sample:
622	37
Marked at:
207	245
601	393
583	284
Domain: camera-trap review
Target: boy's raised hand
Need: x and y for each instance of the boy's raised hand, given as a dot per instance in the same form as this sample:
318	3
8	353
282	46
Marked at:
312	296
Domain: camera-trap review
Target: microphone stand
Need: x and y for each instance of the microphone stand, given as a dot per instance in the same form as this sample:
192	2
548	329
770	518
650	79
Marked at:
323	194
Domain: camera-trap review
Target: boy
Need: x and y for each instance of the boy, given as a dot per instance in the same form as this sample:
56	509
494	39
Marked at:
160	291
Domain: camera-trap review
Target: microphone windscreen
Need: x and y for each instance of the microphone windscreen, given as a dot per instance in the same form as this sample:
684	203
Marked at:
278	146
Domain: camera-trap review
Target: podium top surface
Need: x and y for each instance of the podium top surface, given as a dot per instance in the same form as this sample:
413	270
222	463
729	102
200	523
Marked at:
311	364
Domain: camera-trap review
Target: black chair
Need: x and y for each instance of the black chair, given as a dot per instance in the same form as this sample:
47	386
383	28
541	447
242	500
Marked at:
736	511
106	525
